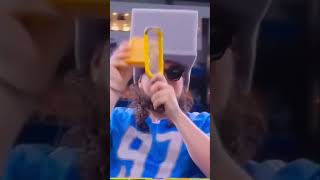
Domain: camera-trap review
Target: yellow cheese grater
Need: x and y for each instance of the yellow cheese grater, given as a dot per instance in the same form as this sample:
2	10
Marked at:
147	53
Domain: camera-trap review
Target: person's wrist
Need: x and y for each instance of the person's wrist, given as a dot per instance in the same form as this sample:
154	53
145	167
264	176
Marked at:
178	117
117	84
117	91
118	88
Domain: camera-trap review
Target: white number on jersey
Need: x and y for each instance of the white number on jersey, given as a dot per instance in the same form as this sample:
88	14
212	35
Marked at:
140	155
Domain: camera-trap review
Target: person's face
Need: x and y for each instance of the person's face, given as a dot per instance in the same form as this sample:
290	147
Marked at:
174	76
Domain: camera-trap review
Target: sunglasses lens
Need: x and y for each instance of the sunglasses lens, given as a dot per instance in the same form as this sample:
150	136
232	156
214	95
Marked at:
174	73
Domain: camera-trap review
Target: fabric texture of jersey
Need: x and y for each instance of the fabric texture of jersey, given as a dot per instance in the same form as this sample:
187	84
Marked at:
159	153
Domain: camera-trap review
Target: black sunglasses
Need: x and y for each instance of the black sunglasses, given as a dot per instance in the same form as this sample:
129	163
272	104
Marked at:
174	73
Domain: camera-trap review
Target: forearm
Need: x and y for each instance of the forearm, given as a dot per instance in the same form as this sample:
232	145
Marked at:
197	142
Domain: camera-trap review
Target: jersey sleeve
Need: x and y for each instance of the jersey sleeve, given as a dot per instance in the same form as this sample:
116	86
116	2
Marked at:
202	120
119	117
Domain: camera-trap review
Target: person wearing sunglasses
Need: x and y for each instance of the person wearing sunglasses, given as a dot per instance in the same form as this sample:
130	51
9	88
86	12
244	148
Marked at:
173	72
156	136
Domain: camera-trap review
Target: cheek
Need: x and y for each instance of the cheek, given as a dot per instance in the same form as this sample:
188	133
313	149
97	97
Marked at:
178	87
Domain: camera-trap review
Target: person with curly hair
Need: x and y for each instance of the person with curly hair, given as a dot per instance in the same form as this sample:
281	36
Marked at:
157	136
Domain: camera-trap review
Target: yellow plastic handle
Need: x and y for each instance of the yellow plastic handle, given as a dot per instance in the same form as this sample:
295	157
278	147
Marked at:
147	51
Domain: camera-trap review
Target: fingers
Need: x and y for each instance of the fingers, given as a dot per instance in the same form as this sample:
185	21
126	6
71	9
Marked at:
157	86
122	53
158	94
160	90
124	47
120	64
120	56
158	102
159	98
158	78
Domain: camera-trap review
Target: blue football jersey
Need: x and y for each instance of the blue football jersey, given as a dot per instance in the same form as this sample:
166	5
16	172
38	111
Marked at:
159	153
